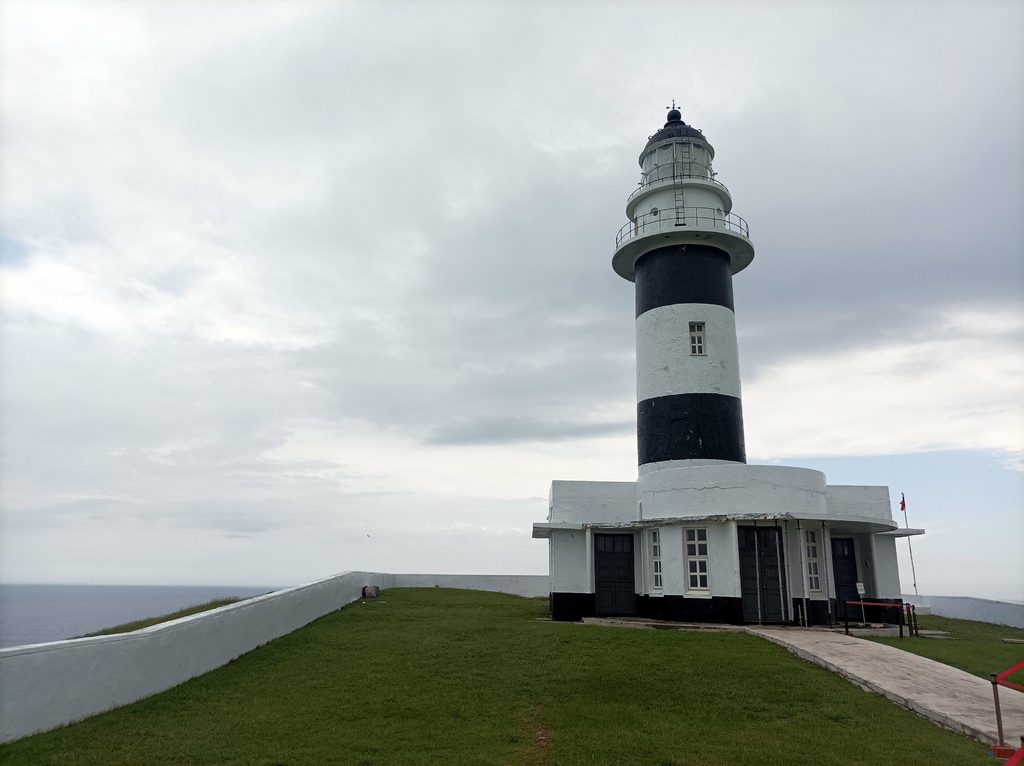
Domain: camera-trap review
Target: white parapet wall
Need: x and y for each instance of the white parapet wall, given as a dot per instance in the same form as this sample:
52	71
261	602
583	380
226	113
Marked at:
971	608
531	586
43	686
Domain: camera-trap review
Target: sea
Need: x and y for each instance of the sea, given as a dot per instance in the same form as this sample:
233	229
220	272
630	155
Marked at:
34	614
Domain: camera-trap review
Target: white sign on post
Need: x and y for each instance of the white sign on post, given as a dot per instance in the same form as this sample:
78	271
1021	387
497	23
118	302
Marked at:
860	592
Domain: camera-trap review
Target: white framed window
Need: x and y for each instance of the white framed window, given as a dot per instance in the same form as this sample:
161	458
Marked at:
656	574
695	547
811	551
697	339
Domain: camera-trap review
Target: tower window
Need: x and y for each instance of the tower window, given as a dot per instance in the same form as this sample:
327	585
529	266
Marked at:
697	345
656	558
813	573
696	549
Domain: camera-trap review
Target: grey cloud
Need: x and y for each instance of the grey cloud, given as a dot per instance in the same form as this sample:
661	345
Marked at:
447	181
506	430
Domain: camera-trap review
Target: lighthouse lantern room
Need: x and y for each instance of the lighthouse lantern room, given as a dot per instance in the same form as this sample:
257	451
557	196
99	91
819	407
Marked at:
701	535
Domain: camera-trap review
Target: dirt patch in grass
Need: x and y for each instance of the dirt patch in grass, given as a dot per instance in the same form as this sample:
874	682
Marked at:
537	737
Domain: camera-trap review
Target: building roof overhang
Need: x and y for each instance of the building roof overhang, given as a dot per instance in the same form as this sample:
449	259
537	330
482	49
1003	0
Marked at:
902	532
543	530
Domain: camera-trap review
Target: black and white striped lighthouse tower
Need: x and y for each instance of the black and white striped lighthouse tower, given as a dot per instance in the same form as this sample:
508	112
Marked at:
700	535
681	247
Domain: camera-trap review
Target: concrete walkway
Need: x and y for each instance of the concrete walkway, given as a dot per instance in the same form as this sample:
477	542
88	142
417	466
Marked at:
950	697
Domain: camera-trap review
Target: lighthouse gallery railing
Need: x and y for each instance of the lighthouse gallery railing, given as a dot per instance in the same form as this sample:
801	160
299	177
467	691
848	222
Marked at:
675	219
667	175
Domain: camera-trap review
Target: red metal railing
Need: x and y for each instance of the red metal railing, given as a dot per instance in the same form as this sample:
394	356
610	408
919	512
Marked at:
1017	757
999	679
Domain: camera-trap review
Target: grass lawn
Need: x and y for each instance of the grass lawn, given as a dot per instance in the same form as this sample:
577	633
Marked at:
436	676
139	624
976	647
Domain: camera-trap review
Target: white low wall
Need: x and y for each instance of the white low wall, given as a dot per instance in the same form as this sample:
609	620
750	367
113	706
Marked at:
531	586
971	608
43	686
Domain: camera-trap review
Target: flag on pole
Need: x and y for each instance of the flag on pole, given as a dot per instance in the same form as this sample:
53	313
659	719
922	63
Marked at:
903	502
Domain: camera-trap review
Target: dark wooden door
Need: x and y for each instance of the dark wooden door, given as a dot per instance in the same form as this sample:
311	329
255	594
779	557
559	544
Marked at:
844	567
613	574
762	575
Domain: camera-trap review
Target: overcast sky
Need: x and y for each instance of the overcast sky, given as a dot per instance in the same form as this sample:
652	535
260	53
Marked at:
295	288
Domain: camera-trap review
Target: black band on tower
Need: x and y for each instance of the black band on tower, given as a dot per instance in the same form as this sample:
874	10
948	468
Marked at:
683	274
690	427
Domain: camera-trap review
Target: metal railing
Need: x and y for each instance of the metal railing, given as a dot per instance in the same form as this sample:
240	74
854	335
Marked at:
678	218
663	174
910	617
907	616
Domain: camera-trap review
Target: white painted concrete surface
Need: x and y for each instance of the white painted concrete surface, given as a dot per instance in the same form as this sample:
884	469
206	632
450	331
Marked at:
856	503
665	465
732	489
43	686
694	193
886	567
664	364
593	502
570	561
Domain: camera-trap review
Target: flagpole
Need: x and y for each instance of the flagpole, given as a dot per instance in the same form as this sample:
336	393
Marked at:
913	571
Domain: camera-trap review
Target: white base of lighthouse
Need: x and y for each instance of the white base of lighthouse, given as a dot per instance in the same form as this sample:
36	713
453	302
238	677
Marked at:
720	542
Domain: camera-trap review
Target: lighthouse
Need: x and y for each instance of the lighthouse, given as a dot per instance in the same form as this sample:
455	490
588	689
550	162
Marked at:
681	247
700	535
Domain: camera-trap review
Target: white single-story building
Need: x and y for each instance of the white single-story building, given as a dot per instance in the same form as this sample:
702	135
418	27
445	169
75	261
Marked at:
720	543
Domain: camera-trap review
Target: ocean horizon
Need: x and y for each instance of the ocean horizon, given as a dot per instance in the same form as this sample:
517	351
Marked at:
37	613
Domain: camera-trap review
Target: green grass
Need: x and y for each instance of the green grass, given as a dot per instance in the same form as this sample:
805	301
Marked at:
436	676
139	624
976	647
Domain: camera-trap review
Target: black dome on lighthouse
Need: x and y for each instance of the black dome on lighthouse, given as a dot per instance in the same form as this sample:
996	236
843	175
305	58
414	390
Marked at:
675	128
